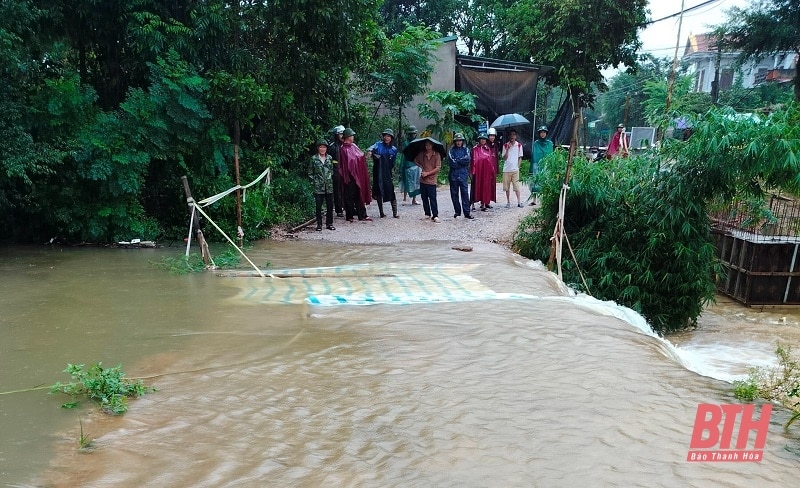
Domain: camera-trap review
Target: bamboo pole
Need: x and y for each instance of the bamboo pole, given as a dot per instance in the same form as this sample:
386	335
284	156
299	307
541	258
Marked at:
194	218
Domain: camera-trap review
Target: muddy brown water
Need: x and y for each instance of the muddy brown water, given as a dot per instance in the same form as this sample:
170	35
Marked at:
405	365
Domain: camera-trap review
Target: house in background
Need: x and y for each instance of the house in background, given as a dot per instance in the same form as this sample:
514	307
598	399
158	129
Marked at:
501	87
701	54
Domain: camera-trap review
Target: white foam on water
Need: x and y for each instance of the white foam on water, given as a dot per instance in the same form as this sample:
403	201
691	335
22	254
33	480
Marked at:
726	362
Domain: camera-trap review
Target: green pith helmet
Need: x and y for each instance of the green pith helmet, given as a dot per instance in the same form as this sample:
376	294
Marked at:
321	142
387	131
542	128
411	129
458	137
482	136
349	132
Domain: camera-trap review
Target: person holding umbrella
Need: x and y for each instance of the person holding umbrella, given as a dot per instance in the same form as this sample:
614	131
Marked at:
430	162
459	172
484	172
384	156
355	179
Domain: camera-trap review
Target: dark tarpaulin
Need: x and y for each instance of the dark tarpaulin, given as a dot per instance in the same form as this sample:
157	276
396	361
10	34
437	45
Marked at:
562	126
499	92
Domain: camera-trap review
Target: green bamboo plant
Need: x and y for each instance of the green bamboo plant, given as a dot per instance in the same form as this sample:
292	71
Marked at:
640	226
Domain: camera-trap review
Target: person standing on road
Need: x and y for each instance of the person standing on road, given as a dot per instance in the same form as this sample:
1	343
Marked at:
409	172
459	173
333	151
484	173
384	156
512	158
355	179
430	162
542	146
320	170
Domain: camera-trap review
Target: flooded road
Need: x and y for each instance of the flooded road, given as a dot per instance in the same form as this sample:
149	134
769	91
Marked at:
374	366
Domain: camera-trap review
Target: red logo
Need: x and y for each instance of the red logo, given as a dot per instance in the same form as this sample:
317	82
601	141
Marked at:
714	426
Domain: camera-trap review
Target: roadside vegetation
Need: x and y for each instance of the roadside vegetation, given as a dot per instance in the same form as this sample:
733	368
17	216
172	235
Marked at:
640	226
780	384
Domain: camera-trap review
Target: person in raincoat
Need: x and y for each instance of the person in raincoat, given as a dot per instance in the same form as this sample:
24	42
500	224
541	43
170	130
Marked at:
619	144
542	146
320	170
384	157
458	176
484	172
355	180
409	172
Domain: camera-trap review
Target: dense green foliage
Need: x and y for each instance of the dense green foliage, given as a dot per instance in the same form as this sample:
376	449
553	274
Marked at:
107	386
105	104
443	108
640	227
405	70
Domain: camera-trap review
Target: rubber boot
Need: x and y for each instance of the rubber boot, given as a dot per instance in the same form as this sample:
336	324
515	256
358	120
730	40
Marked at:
394	209
380	207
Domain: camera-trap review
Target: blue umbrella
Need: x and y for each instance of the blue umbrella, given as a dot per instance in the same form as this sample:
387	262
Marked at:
509	120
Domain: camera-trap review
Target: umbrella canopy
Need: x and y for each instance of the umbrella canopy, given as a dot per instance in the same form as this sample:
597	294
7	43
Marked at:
509	120
418	145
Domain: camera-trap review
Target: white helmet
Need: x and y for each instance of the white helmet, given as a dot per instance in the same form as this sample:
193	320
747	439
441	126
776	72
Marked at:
492	131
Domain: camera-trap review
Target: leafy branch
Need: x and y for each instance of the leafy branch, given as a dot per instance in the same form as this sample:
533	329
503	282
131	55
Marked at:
107	386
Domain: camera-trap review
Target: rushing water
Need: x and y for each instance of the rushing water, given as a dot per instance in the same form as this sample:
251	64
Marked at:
406	365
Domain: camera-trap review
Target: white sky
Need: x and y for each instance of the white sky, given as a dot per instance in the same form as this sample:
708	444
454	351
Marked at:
660	38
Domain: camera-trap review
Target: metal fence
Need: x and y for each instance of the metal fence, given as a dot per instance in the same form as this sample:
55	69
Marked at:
779	220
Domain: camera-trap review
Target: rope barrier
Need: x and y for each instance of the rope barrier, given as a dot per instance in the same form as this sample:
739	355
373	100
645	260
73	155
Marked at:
588	292
208	201
229	239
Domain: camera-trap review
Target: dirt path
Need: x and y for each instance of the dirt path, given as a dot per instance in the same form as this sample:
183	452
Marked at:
495	225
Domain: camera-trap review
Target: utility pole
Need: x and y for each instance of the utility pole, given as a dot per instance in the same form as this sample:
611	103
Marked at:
715	83
627	106
674	62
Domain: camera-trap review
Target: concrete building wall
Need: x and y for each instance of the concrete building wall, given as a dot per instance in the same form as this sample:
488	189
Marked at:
442	78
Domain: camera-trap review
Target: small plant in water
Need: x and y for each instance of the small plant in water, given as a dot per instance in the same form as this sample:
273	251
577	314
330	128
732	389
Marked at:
107	386
780	384
84	441
193	263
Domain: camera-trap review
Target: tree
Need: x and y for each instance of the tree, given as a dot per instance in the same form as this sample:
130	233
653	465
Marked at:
450	105
764	27
405	69
437	15
105	103
624	102
580	38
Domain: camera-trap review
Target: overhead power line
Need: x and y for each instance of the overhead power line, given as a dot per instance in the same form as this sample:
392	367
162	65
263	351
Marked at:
676	14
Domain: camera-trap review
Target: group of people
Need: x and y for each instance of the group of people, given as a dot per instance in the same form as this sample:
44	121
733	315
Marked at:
339	173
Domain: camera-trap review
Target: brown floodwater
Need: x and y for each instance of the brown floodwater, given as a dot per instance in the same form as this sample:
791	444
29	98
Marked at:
409	365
